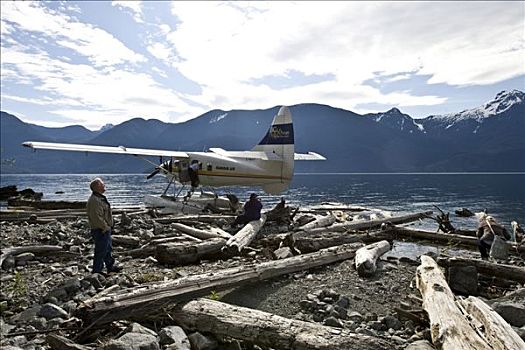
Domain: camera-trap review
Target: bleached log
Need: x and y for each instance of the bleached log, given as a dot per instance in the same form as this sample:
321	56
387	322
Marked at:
188	219
366	257
123	240
137	303
369	224
189	252
510	272
323	221
497	331
313	243
448	326
35	249
445	237
245	236
268	330
213	232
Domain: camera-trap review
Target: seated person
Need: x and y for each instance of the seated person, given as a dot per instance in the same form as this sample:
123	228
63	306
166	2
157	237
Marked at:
252	211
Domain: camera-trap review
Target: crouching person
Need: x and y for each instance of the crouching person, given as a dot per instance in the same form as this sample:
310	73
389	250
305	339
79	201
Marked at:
252	211
100	221
488	228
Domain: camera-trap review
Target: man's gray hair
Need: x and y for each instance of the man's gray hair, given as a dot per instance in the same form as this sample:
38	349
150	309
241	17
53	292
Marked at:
94	183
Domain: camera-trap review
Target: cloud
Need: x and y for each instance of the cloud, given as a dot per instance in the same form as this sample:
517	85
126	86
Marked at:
351	41
99	46
133	6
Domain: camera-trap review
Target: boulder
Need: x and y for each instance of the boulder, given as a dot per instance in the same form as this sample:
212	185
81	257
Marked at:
513	313
202	342
175	337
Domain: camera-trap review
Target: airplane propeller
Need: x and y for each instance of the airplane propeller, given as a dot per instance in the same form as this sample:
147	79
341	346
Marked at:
166	167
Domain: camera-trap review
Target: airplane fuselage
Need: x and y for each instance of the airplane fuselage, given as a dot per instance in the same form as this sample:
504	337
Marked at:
219	170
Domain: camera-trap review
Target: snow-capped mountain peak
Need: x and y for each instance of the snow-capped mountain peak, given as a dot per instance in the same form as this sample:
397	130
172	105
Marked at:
501	103
395	118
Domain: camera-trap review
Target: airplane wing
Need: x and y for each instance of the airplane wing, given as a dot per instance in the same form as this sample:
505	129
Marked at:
308	156
104	149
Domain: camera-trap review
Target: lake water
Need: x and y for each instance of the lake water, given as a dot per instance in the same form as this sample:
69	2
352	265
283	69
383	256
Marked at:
503	195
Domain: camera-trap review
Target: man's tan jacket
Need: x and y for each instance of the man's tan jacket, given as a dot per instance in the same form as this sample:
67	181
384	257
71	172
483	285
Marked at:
99	212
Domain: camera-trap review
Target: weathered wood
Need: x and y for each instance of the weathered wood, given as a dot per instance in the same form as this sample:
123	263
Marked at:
189	252
245	236
189	219
16	202
313	243
268	330
510	272
137	303
321	222
122	240
497	331
448	326
36	249
370	224
366	257
446	238
213	232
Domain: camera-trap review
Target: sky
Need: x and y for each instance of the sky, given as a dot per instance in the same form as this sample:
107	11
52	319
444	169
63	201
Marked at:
92	62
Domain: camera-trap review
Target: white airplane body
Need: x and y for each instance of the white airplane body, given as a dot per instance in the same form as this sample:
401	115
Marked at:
270	164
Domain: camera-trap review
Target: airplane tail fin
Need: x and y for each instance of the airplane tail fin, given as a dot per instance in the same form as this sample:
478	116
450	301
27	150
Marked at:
279	140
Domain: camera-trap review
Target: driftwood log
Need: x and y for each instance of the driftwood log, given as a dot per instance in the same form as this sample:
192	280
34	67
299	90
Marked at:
213	232
245	236
497	331
446	238
510	272
449	328
369	224
189	252
313	243
139	302
36	249
268	330
190	219
321	222
366	257
123	240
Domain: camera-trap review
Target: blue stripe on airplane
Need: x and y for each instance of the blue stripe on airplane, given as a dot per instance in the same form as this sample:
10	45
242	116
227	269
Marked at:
281	134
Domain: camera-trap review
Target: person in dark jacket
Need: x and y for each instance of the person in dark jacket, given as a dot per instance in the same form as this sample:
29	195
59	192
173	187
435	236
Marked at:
488	228
100	221
252	211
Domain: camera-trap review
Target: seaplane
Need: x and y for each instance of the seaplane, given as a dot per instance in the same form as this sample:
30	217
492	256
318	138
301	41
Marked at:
269	165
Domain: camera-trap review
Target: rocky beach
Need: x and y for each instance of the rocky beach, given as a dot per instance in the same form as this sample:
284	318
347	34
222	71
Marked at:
304	293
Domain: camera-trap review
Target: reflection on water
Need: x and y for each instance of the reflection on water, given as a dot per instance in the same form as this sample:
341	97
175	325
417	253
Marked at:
503	195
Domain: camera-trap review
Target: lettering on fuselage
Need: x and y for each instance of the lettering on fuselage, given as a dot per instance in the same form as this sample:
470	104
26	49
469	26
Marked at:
229	168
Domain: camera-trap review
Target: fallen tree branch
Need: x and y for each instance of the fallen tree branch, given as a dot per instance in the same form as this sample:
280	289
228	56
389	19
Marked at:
267	329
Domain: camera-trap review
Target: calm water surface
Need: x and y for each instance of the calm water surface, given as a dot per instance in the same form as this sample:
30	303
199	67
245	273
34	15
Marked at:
503	195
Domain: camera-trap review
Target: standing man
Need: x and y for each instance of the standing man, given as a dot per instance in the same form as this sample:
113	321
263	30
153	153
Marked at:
101	223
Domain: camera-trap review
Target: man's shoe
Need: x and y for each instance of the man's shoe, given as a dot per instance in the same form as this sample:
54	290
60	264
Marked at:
115	269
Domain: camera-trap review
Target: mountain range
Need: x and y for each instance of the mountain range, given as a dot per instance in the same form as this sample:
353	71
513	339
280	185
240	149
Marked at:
489	138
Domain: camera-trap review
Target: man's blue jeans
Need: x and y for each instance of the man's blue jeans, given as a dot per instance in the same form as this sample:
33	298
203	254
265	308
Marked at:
103	249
